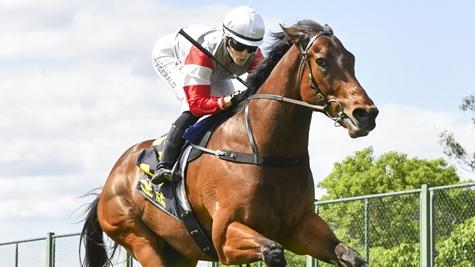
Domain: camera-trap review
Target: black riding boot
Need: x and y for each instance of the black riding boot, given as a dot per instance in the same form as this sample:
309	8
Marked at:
172	147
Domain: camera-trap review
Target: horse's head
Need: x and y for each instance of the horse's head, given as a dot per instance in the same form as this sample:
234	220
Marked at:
327	77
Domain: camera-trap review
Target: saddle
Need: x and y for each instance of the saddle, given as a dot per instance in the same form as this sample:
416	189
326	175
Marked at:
171	197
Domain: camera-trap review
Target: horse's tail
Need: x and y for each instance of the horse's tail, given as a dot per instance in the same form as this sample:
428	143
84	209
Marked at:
92	238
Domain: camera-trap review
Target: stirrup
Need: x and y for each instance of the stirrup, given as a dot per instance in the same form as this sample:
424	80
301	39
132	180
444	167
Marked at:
164	174
161	175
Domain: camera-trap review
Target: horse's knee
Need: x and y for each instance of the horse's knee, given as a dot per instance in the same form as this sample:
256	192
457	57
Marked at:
348	257
273	255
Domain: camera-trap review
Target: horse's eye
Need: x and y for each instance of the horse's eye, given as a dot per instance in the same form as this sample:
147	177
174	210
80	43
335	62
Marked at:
322	62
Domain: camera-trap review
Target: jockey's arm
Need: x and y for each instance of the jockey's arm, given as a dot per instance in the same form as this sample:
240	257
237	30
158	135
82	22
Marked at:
198	69
197	85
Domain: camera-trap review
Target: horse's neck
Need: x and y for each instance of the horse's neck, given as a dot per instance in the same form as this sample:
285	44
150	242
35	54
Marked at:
281	128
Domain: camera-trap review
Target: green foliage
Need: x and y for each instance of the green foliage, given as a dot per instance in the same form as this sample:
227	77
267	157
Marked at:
394	220
452	148
459	248
363	174
451	208
291	258
405	254
294	259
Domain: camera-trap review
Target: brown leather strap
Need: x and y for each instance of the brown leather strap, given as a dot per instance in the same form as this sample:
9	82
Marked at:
263	160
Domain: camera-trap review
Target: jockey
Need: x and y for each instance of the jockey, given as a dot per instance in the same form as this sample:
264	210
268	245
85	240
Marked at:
202	86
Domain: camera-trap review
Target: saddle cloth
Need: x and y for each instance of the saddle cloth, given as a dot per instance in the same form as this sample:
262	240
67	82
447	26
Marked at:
168	196
171	197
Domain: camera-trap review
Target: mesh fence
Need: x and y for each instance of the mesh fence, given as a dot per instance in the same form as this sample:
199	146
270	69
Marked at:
8	255
66	251
454	226
24	254
291	258
372	226
384	229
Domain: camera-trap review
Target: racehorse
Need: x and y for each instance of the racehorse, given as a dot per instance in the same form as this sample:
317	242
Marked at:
251	212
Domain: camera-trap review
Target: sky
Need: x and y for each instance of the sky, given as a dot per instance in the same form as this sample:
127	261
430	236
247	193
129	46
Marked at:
77	88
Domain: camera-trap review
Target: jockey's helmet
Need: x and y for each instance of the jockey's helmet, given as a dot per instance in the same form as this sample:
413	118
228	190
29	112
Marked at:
244	25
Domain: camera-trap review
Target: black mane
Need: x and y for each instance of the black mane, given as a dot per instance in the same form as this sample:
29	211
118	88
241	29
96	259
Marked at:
276	51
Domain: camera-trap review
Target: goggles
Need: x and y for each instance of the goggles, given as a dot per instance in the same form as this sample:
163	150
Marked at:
241	47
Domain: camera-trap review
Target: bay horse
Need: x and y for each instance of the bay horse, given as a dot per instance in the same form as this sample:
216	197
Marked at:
250	212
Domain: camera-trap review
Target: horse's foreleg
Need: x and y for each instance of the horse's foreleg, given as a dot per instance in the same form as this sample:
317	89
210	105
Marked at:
314	237
242	244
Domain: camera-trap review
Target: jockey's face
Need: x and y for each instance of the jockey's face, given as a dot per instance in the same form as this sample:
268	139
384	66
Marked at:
239	53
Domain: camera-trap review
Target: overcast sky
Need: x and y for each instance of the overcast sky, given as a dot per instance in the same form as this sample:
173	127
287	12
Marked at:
77	88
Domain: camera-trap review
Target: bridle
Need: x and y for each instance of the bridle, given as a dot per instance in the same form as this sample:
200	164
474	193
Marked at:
305	62
267	160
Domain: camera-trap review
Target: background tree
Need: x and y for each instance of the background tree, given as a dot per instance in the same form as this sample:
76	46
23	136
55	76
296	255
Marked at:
393	220
363	174
452	148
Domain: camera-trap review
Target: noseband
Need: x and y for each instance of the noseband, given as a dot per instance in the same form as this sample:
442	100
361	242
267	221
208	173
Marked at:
305	62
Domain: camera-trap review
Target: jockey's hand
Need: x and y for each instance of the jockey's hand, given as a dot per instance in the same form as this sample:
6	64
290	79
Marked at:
234	99
238	97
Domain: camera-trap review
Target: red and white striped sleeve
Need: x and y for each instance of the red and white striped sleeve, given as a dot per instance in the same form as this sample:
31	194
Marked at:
197	71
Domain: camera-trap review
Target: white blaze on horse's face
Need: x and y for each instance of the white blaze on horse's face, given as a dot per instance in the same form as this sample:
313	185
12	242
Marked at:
332	82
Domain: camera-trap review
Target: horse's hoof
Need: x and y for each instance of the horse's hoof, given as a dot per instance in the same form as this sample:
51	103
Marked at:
349	257
273	255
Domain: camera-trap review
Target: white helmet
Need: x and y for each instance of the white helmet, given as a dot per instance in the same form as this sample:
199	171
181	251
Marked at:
244	25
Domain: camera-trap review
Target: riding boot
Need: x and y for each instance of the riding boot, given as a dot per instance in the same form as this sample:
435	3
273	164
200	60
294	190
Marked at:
172	147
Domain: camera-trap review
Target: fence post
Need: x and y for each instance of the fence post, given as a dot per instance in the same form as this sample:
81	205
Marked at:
16	254
366	229
50	249
316	263
432	229
425	242
309	261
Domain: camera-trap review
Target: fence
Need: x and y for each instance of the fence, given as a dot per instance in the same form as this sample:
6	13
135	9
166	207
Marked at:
422	227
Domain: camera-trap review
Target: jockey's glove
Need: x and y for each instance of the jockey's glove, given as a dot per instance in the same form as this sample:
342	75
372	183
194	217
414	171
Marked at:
234	99
238	97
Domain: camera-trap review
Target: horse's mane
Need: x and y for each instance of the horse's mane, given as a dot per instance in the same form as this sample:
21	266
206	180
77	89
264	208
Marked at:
276	51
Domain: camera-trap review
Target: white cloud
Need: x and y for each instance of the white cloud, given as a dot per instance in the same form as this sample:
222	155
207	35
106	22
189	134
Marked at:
76	30
77	89
409	130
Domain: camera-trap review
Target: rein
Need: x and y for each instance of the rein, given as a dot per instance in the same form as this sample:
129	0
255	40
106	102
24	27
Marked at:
274	161
305	61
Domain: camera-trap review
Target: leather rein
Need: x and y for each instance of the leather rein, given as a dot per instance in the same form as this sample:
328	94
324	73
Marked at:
305	61
275	161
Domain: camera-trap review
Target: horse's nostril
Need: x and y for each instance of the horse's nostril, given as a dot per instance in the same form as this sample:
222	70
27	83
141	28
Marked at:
366	117
360	114
365	114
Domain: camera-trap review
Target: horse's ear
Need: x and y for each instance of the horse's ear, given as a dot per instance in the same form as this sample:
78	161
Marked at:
293	34
328	29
